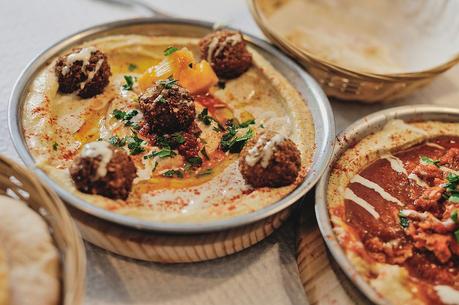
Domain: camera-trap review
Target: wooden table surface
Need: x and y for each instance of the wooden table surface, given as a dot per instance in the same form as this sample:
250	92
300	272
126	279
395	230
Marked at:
264	274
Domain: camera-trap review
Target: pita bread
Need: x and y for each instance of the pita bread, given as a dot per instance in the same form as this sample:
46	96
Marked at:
33	260
3	278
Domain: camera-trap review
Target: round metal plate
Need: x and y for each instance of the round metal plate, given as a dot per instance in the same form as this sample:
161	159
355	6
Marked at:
313	95
353	134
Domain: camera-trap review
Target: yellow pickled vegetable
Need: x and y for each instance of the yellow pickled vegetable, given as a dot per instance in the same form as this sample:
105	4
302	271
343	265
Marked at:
196	77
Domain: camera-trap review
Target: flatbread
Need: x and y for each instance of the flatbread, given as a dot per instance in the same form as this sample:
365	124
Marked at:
33	260
4	288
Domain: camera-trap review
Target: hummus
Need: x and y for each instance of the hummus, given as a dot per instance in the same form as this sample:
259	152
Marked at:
56	126
393	212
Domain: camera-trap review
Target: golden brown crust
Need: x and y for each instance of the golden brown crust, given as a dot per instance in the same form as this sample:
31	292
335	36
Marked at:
116	184
283	167
77	74
232	60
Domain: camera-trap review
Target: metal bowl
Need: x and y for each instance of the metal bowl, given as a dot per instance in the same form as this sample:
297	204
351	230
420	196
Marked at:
353	134
313	95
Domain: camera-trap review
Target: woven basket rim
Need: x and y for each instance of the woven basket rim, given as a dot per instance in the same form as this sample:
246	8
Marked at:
303	55
68	242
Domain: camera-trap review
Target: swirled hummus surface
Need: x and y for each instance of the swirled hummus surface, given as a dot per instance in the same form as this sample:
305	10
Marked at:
392	200
56	126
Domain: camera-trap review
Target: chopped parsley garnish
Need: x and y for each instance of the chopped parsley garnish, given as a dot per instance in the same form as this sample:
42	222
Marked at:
204	172
132	67
116	141
135	145
168	83
207	120
451	194
154	166
454	216
126	117
55	146
160	100
453	180
173	173
162	142
454	198
262	126
221	84
118	114
404	221
246	123
204	153
205	117
163	153
230	142
169	51
129	82
195	161
427	160
178	138
456	235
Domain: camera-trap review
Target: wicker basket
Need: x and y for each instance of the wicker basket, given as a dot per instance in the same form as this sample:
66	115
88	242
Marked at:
340	81
20	183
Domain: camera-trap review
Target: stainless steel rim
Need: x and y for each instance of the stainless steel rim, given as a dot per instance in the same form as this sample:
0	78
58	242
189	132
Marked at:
316	101
353	134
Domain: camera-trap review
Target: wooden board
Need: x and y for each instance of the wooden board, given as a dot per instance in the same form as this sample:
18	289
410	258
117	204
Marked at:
323	282
173	248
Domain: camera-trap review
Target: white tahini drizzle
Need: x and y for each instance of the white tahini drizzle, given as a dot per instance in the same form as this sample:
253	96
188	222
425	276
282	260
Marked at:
395	163
447	294
215	47
263	150
434	145
349	195
378	189
418	180
83	55
98	149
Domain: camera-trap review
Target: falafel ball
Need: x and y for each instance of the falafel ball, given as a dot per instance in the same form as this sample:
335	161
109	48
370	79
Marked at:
85	71
270	160
227	53
101	169
167	107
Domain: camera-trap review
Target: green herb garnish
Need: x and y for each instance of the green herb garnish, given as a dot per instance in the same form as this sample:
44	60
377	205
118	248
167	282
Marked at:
454	216
116	141
178	138
154	166
135	145
169	51
163	153
173	173
126	117
160	100
454	198
404	221
246	123
168	83
55	146
129	82
221	84
205	117
230	142
262	126
132	67
204	172
456	235
195	161
204	153
427	160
